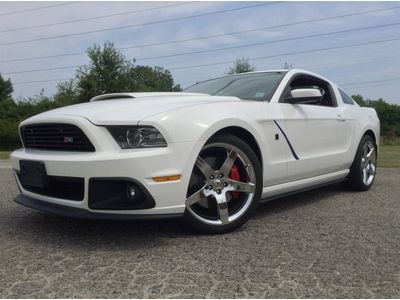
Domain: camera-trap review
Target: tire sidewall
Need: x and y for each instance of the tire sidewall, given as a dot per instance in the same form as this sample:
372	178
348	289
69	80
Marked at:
196	224
355	178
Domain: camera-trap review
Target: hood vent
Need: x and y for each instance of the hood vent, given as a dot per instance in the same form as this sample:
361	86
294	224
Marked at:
112	97
143	95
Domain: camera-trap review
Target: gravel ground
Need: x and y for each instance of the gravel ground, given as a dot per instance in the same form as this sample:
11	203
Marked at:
321	243
5	164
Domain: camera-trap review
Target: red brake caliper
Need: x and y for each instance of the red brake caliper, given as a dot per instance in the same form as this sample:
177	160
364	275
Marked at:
235	175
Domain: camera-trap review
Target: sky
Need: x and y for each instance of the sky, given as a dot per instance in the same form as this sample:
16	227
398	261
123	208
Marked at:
365	61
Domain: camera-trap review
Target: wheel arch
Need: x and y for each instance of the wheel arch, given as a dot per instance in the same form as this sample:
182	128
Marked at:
370	133
245	136
200	132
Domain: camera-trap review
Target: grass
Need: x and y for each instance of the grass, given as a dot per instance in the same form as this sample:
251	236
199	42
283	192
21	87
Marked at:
394	141
389	156
5	154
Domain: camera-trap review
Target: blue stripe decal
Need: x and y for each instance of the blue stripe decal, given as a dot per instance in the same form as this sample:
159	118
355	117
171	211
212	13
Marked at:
287	140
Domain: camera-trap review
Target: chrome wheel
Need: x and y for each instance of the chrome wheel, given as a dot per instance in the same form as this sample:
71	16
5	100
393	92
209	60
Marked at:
222	185
368	163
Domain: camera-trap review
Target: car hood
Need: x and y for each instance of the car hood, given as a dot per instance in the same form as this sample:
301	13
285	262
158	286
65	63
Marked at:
124	109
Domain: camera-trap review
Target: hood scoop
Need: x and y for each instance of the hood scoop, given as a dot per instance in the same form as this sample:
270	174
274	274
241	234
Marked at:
119	96
111	97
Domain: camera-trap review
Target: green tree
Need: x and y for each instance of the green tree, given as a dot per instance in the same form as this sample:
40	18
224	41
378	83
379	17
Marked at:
241	65
66	93
389	114
6	89
8	112
359	99
109	71
148	79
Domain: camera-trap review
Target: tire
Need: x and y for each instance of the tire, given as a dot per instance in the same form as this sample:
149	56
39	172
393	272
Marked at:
225	186
363	170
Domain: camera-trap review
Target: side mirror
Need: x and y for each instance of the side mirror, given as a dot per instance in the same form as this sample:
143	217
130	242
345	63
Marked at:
304	96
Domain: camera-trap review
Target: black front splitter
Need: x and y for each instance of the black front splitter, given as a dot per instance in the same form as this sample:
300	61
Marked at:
74	212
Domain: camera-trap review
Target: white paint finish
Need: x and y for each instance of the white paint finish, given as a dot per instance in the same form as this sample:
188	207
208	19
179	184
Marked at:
325	144
318	139
142	95
288	187
130	111
305	93
140	164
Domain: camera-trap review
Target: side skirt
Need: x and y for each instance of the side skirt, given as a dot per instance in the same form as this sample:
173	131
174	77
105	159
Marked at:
293	187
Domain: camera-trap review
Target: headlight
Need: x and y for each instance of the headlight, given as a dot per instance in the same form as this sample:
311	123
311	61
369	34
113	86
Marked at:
130	137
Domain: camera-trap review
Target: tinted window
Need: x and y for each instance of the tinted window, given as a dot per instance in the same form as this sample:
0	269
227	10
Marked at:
254	86
346	98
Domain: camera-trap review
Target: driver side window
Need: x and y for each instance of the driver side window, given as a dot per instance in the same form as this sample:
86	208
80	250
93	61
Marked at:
309	82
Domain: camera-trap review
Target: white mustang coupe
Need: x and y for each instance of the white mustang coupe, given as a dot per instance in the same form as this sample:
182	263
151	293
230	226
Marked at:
209	154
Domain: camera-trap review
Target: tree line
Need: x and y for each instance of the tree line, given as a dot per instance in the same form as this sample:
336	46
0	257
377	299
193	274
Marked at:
109	71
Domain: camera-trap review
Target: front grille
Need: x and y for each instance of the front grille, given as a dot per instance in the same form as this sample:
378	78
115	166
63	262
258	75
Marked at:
61	137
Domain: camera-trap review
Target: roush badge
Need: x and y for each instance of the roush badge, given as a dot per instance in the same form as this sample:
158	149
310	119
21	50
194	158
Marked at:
68	139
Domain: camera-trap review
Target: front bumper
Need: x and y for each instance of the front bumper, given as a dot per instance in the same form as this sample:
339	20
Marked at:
73	212
109	161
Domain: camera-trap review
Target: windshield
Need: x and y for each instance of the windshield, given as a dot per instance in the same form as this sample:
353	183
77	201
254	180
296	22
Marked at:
251	86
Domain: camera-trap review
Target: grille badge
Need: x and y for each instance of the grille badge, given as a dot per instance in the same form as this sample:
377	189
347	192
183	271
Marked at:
68	139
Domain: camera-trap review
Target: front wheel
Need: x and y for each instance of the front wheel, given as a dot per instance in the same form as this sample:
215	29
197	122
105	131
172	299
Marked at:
225	186
363	169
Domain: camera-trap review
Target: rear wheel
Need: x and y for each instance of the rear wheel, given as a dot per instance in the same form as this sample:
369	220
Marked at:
225	186
363	169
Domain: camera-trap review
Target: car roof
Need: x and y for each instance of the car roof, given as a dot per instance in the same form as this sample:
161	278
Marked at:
285	71
291	71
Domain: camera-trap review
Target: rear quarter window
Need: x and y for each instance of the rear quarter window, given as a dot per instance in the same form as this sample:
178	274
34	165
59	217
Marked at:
346	98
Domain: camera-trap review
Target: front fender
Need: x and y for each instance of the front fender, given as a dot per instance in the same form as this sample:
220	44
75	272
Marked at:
198	124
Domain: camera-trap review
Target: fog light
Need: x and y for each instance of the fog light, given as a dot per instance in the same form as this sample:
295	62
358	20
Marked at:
118	194
131	192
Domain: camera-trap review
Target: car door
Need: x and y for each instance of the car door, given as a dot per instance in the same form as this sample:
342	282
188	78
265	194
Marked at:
317	133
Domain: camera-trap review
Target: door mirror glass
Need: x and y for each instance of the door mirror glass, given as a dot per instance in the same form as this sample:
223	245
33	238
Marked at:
304	96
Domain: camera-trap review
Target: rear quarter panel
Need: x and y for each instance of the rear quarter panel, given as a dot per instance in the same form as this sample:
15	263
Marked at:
364	119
